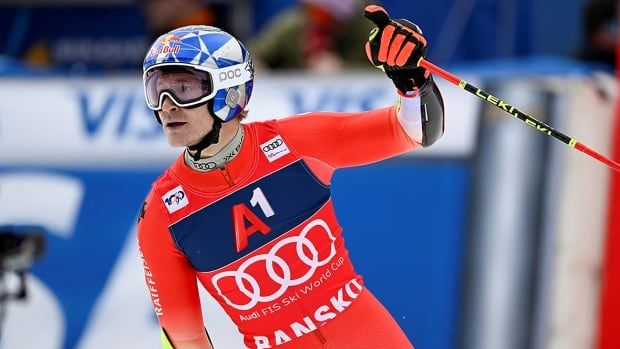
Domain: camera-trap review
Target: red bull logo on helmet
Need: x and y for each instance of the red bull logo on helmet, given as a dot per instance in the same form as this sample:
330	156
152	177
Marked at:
170	39
169	44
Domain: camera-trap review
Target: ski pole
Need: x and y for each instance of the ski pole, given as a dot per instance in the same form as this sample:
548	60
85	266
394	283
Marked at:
510	109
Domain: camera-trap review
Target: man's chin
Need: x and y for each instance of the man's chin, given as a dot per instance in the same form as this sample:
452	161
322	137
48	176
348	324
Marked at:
177	143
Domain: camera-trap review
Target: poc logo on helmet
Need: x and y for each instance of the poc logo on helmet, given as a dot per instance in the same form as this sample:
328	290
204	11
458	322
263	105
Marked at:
175	199
231	74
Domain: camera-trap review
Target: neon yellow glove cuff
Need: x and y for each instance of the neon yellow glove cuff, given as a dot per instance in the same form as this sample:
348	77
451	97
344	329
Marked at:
165	341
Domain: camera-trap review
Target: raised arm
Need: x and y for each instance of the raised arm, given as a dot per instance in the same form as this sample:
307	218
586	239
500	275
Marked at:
347	139
171	282
417	120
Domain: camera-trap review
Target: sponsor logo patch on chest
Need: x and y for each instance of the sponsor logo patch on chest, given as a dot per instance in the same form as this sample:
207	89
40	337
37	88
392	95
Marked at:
274	148
175	199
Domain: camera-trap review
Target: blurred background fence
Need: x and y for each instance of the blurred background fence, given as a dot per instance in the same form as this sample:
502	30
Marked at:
495	237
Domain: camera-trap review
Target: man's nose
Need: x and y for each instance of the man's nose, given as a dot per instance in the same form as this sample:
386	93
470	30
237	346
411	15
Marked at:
168	105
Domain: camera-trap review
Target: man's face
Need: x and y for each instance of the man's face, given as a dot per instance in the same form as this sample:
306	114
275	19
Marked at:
184	127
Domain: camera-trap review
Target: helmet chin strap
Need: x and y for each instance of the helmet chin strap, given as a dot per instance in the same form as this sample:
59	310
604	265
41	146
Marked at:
210	138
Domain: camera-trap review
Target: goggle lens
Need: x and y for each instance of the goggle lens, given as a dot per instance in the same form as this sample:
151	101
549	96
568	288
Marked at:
185	86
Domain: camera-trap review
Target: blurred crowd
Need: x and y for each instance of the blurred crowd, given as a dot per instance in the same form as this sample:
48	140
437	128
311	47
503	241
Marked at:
316	35
600	28
319	35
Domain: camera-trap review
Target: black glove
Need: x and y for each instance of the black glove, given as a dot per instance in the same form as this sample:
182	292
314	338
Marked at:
396	47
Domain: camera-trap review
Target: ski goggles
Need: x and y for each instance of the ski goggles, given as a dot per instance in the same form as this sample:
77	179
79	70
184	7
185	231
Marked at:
187	85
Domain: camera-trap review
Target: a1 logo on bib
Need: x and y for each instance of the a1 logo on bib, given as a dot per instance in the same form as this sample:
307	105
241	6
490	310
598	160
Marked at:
274	148
175	199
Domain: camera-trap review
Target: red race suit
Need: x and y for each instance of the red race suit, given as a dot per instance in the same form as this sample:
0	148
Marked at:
261	237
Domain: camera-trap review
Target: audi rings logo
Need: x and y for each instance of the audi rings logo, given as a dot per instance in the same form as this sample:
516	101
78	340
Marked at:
306	254
203	166
274	148
273	145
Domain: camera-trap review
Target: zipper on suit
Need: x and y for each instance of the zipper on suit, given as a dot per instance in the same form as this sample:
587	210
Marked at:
227	176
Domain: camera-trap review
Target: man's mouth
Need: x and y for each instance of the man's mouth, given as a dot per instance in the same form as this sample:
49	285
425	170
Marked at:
175	124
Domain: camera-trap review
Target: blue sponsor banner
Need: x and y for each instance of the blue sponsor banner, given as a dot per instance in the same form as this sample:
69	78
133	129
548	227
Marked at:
82	250
405	224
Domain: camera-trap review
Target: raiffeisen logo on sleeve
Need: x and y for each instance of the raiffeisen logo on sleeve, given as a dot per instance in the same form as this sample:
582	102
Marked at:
175	199
274	148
